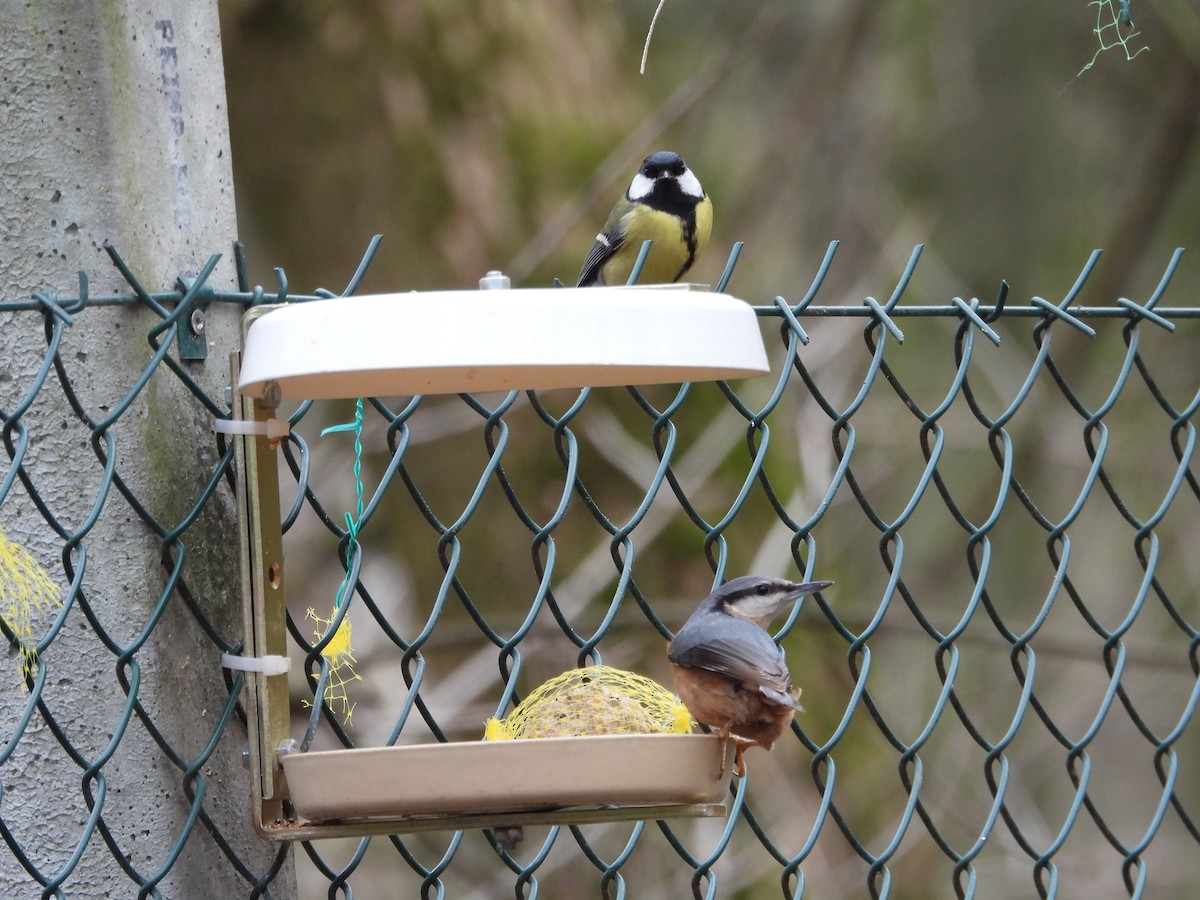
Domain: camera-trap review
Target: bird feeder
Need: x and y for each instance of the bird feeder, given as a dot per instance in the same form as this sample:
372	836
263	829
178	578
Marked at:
449	342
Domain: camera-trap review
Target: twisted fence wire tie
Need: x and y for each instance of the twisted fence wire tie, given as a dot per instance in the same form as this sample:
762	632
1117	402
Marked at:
1055	312
884	318
281	279
1060	311
49	299
1137	312
789	314
969	312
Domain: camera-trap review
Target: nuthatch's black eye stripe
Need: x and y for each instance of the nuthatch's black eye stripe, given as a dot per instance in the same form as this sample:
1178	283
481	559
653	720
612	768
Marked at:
758	589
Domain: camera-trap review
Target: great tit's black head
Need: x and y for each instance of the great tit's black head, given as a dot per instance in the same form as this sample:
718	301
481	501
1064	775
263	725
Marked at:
759	598
665	182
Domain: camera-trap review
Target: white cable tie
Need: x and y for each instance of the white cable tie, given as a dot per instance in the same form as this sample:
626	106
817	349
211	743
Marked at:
268	665
272	428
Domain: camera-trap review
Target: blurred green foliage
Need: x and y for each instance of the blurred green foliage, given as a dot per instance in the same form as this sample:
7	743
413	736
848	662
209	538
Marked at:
462	129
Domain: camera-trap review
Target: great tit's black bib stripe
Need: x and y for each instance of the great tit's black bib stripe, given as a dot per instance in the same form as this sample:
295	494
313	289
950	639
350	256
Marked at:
669	198
688	224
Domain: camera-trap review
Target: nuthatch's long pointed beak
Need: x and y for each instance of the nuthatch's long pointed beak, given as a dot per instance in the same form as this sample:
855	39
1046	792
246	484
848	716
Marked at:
808	587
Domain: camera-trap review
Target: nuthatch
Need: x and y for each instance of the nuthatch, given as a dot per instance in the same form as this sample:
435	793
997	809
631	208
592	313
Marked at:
728	671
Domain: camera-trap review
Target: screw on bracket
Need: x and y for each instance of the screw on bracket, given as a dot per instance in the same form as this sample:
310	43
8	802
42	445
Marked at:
193	342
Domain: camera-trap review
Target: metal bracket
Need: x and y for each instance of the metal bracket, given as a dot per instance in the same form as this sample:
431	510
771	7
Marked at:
193	340
263	597
293	829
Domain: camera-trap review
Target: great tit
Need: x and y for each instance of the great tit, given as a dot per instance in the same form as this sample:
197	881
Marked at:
664	204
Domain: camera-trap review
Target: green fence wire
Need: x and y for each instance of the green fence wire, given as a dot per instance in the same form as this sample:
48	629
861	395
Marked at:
1001	685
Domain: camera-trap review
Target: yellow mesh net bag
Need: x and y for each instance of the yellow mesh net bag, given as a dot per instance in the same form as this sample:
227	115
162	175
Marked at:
591	701
25	589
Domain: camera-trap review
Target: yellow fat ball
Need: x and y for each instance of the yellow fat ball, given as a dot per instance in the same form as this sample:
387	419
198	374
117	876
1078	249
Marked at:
592	701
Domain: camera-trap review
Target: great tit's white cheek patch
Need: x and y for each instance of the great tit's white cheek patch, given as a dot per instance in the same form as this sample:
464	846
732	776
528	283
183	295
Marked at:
641	186
689	184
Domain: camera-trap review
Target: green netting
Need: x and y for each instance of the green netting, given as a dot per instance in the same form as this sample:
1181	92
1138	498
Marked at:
1114	29
1000	687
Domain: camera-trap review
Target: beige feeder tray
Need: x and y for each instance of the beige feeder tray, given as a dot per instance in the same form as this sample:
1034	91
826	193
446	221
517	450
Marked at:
640	776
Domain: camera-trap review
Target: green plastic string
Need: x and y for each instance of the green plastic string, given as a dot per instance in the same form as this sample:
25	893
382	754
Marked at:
338	651
352	522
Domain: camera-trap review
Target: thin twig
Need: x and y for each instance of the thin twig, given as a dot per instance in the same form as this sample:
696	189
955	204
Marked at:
649	33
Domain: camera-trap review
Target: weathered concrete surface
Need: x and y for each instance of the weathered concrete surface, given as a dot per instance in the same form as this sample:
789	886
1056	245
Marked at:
113	129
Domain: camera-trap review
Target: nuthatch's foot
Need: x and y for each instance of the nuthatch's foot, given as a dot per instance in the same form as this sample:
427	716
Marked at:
740	746
723	736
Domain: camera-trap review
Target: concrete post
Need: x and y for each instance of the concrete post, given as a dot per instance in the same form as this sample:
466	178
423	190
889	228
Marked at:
113	129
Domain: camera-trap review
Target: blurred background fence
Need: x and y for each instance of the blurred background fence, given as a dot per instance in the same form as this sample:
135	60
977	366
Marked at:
1000	686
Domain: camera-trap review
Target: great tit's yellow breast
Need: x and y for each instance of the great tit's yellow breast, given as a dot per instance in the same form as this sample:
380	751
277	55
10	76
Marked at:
673	249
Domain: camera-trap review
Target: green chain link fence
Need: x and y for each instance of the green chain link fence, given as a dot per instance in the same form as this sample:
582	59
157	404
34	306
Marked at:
1000	687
